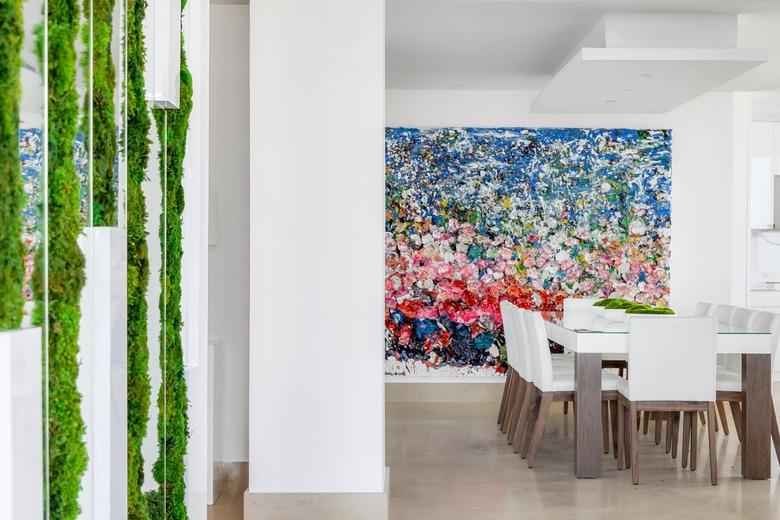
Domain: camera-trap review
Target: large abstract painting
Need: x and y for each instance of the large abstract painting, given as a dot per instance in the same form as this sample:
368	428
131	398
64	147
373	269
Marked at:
477	215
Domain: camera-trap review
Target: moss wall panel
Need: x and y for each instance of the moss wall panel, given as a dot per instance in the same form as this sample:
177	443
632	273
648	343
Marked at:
11	190
67	452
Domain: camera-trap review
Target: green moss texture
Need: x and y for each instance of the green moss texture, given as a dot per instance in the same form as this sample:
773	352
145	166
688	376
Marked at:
11	190
67	452
138	384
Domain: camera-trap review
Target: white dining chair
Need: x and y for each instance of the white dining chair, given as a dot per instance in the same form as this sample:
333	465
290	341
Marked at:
512	375
524	377
724	313
686	385
730	367
702	309
743	318
729	383
550	385
578	313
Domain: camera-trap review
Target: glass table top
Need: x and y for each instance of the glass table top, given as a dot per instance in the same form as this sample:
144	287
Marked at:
620	327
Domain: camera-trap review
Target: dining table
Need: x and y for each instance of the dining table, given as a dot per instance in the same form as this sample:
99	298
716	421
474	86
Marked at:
589	347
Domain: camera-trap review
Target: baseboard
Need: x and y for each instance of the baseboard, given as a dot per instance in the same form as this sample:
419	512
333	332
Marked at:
322	506
226	475
443	392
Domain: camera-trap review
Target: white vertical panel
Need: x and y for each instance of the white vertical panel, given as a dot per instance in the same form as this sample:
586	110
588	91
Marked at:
195	25
102	377
21	428
316	410
162	30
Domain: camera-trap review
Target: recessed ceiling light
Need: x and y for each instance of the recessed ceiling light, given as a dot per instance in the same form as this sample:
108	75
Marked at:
610	101
649	75
460	85
627	90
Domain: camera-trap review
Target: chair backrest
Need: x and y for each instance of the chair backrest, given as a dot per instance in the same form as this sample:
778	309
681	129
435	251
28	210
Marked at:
578	313
524	367
672	360
743	318
539	348
769	322
723	313
510	333
599	324
702	309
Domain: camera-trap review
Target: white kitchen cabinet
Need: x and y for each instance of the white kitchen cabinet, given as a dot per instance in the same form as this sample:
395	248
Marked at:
764	173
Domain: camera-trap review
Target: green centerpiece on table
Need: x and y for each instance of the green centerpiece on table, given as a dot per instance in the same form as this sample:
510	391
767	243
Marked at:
646	309
619	304
632	307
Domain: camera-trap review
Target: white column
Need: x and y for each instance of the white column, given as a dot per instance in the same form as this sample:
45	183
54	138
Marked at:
21	424
102	377
316	393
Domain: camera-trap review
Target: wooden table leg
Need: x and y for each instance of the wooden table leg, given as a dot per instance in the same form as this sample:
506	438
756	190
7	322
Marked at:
587	416
757	395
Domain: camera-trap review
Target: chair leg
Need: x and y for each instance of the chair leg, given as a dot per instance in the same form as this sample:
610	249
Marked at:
675	433
509	405
536	438
522	420
701	418
724	422
515	399
711	442
566	408
605	425
645	422
694	440
658	423
629	421
775	430
736	414
634	446
529	427
505	395
621	435
668	421
504	422
686	438
613	412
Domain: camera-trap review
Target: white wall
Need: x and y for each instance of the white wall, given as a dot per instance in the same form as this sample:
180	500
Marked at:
316	411
702	164
229	240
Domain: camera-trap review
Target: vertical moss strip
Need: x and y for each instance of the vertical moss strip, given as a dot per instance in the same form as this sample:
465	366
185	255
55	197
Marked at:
172	126
97	37
11	190
67	452
138	385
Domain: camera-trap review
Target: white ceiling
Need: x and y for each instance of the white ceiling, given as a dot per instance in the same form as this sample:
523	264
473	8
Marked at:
518	44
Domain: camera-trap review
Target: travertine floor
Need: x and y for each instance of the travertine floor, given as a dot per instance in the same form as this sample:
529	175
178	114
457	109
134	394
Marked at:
448	461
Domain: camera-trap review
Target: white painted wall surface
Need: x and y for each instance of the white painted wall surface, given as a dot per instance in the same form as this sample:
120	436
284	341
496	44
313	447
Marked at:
316	412
229	236
702	170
